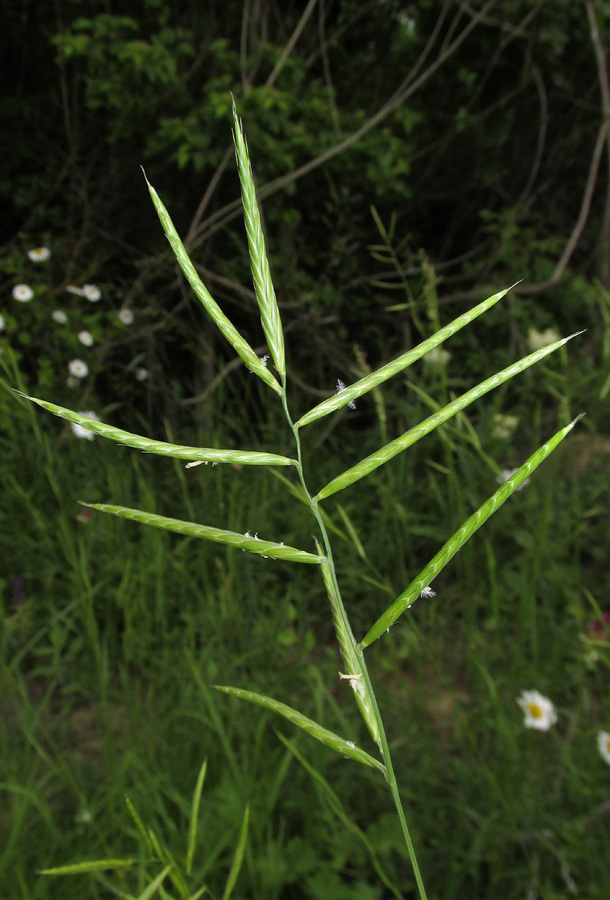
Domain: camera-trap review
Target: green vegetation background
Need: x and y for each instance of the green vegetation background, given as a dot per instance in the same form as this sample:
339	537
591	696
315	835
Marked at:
412	159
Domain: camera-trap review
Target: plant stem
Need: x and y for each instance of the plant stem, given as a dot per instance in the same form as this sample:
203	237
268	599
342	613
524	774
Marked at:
385	750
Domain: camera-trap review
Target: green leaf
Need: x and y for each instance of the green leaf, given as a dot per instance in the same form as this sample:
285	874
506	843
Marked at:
176	451
238	856
353	391
139	825
347	748
192	529
93	865
261	274
463	534
384	454
227	328
155	884
192	838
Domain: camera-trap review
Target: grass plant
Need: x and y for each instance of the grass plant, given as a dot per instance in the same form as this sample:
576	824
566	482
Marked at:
178	875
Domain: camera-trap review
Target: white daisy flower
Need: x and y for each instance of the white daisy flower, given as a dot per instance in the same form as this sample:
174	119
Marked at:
81	432
603	745
1	323
539	339
72	289
141	374
39	254
91	292
539	711
503	426
58	315
85	338
437	357
23	293
78	368
125	316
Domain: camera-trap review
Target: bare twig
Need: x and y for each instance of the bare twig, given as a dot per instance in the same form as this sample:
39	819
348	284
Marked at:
604	86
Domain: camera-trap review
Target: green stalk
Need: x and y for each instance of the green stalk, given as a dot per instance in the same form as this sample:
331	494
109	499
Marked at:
385	750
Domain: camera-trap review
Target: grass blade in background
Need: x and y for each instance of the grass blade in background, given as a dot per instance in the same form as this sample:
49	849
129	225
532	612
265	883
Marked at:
238	856
219	535
384	454
161	448
261	274
353	391
144	835
340	812
463	534
227	328
328	738
93	865
155	884
192	838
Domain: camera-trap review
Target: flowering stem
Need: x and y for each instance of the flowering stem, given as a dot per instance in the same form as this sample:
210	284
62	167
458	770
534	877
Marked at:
385	750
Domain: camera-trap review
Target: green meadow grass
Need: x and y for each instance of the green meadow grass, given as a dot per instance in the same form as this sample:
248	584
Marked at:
106	671
126	774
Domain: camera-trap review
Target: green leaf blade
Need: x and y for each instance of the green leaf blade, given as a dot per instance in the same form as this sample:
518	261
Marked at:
162	448
193	822
261	273
224	325
353	391
326	737
238	856
219	535
461	536
389	451
92	865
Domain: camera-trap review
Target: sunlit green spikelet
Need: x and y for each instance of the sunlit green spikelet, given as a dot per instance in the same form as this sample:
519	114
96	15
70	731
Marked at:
329	738
384	454
353	391
347	645
161	448
219	535
261	274
227	328
463	534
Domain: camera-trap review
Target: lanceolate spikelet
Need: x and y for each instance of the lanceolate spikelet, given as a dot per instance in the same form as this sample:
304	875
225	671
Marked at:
261	274
347	644
224	325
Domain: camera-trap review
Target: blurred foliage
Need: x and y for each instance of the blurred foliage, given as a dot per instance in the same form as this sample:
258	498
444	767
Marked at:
476	129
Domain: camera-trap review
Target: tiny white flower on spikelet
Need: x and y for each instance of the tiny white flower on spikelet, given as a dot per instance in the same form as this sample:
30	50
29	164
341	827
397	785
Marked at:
437	357
1	323
141	374
81	432
78	368
350	677
125	316
247	534
340	389
428	592
506	474
603	745
73	289
91	292
539	711
264	359
39	254
23	293
539	339
58	315
85	338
